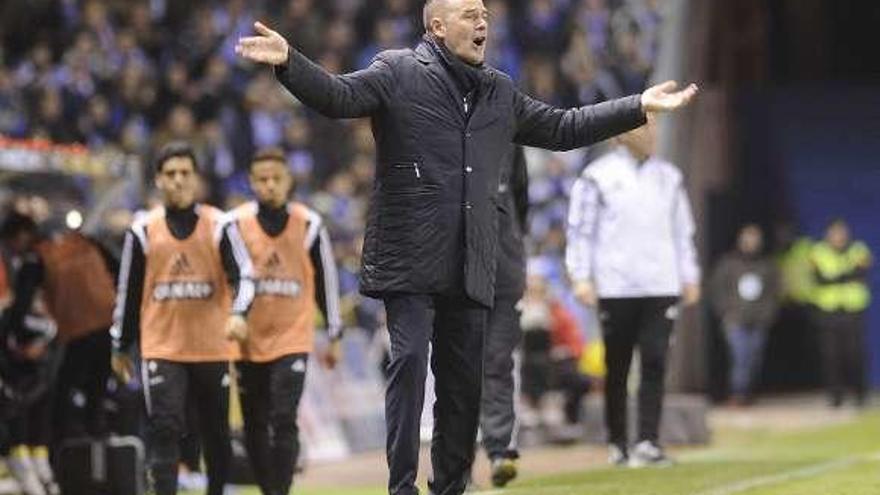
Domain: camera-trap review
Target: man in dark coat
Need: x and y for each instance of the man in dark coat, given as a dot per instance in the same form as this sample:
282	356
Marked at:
443	123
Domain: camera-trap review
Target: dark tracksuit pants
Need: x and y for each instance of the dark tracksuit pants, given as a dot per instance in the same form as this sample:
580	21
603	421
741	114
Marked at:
454	326
842	335
168	386
190	444
497	416
645	322
270	393
32	427
30	421
83	375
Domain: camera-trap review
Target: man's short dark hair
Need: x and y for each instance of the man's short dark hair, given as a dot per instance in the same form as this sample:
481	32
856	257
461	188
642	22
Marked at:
16	223
837	222
268	155
175	149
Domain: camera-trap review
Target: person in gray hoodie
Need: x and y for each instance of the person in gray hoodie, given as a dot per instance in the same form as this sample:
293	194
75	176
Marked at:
745	293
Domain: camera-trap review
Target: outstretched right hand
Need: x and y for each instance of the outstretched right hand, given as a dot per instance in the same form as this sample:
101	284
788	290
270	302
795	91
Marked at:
268	47
663	97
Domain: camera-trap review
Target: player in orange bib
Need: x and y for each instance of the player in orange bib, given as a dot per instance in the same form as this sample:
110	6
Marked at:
178	264
293	268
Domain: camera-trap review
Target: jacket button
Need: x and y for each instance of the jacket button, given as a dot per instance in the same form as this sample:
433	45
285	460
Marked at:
467	134
468	205
468	169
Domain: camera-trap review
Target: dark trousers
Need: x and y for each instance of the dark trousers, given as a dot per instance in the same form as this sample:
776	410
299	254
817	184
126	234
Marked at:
536	374
542	373
29	418
454	326
497	416
81	387
270	394
626	323
168	385
190	444
33	426
574	384
843	353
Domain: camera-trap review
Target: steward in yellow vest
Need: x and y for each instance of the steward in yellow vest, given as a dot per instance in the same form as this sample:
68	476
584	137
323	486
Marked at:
840	275
840	267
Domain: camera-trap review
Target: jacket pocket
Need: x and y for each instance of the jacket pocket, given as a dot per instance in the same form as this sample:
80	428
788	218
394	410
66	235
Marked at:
402	174
407	221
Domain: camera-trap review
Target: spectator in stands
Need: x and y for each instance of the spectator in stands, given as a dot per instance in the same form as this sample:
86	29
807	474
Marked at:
384	38
542	80
51	122
588	80
541	31
504	53
96	126
745	292
552	348
593	18
304	22
13	118
628	64
36	71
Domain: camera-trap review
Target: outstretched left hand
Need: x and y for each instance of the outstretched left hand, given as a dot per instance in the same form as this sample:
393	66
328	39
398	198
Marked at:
663	97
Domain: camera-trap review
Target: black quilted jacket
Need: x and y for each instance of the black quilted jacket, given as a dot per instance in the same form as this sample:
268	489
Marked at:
432	222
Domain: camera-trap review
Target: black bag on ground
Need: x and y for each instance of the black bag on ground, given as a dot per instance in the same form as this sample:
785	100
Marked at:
111	466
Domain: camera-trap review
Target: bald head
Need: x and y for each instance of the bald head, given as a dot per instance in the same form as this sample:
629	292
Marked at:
461	25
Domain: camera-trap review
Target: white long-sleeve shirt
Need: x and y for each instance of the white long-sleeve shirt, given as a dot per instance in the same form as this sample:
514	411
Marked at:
630	228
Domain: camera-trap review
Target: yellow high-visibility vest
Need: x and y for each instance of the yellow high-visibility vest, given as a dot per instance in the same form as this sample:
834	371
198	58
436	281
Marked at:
798	282
852	296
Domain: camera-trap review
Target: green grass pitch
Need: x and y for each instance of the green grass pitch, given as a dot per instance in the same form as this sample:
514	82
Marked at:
832	460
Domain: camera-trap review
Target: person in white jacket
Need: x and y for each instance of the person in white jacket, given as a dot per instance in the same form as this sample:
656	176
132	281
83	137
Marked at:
630	253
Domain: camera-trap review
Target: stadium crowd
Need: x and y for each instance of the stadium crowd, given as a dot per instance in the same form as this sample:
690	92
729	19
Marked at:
133	76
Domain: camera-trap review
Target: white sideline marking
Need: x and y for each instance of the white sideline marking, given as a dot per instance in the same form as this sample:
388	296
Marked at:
794	474
736	487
